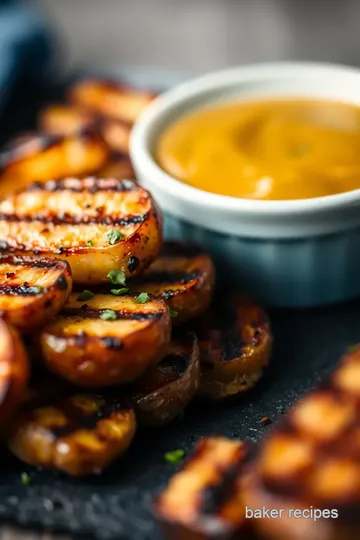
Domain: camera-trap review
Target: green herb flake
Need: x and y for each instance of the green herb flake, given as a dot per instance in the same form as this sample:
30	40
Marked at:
89	243
175	456
119	292
108	315
172	313
85	295
281	409
117	277
25	479
37	289
114	236
142	298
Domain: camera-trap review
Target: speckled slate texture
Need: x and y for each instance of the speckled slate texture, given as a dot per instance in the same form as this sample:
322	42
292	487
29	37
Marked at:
117	505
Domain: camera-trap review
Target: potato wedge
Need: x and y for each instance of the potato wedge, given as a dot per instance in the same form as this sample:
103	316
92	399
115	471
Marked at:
106	340
235	344
204	500
80	434
312	461
97	225
184	276
43	157
14	372
32	290
110	98
164	391
67	119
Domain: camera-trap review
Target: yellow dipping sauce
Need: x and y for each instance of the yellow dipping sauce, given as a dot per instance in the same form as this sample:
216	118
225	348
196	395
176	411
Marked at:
273	149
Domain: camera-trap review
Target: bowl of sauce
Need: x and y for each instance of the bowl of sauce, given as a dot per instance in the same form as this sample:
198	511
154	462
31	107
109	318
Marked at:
261	164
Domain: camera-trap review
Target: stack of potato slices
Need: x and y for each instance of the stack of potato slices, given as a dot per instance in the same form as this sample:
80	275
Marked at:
305	474
86	278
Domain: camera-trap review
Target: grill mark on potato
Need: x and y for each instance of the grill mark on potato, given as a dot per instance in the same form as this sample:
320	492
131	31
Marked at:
77	419
78	187
85	312
25	289
68	219
52	264
167	277
109	342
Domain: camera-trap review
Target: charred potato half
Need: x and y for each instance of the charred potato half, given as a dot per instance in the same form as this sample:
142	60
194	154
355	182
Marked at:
164	391
80	434
235	344
204	500
43	157
313	461
14	372
183	276
65	119
106	340
110	98
32	290
97	225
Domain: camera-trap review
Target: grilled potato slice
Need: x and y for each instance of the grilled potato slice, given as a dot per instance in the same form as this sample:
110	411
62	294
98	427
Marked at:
164	391
184	276
32	290
80	434
14	372
41	157
110	98
106	341
204	500
65	119
312	461
235	343
97	225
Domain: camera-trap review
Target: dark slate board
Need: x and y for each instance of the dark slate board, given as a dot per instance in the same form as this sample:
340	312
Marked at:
117	505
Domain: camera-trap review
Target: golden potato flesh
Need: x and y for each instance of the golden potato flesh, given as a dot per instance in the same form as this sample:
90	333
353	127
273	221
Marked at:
204	500
235	344
40	158
32	290
106	340
163	392
14	372
183	276
81	434
97	225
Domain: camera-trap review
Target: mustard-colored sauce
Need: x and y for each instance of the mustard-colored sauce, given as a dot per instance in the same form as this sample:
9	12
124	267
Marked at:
273	149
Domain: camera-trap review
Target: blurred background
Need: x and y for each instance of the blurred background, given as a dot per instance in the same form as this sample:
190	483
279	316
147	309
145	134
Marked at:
202	35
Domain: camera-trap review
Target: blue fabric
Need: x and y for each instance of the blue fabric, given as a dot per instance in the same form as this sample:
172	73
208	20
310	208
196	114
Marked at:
25	45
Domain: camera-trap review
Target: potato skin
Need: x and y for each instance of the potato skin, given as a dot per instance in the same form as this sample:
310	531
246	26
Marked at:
34	222
238	320
28	313
14	373
163	392
183	275
43	157
80	434
88	351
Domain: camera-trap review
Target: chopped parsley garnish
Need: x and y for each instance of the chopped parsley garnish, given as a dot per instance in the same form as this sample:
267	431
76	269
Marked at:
172	313
119	292
281	409
142	298
117	277
89	243
25	479
114	236
108	315
85	295
175	456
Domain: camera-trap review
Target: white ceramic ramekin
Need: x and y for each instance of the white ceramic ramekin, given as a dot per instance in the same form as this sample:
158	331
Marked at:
287	253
